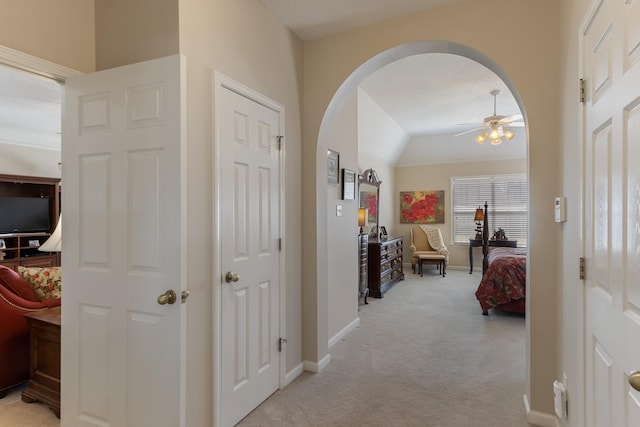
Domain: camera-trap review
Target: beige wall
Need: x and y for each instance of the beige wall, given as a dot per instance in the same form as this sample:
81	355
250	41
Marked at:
342	242
60	31
528	61
244	42
438	177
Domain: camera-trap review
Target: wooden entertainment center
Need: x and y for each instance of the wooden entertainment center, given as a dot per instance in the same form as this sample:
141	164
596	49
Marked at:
22	248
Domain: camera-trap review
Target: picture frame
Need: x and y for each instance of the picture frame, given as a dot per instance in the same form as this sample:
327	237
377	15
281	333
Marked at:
333	167
348	184
383	230
422	207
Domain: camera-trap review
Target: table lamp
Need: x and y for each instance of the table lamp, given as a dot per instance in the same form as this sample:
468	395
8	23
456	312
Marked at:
478	218
363	217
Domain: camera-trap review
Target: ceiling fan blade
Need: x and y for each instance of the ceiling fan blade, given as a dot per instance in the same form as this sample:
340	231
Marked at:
514	124
511	118
468	131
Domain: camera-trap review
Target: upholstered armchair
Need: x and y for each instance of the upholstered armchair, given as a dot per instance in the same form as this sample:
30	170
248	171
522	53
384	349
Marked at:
427	240
17	297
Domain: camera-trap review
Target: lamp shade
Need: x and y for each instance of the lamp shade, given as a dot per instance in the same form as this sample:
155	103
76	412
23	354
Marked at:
54	242
479	215
363	217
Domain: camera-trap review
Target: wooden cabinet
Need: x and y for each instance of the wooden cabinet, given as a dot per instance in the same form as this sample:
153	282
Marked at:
363	285
22	248
385	264
44	370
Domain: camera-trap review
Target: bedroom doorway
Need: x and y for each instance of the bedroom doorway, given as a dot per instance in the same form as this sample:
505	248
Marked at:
325	226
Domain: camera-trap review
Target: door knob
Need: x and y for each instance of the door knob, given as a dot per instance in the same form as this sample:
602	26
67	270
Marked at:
168	297
231	277
634	380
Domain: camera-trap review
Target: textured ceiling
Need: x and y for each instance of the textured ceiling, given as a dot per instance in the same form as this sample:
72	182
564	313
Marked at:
314	19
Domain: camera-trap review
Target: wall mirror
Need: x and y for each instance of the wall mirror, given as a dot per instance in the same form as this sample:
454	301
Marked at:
369	198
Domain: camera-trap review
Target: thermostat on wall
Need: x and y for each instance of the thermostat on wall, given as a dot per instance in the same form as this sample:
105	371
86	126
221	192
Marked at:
561	209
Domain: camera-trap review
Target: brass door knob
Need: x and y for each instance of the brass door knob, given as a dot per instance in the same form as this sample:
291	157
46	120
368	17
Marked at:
168	297
634	380
231	277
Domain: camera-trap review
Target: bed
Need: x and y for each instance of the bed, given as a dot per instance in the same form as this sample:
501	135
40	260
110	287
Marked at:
503	284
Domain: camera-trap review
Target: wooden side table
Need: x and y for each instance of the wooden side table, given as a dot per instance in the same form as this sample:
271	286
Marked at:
44	368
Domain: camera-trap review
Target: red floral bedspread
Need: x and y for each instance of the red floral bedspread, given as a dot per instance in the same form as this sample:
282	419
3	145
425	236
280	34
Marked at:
504	280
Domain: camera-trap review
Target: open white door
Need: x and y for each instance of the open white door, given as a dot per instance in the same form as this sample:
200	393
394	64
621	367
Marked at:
249	162
611	68
123	352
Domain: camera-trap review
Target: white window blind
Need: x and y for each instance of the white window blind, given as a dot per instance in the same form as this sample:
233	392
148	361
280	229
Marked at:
506	197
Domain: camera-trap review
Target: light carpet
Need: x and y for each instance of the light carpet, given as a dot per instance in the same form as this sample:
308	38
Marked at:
424	355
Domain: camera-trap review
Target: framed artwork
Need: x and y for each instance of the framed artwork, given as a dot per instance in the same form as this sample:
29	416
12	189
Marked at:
369	200
422	207
383	230
348	184
333	167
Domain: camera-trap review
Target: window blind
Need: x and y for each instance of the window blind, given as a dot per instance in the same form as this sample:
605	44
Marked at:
506	197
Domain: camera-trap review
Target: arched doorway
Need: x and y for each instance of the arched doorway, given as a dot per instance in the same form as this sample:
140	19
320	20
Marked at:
324	142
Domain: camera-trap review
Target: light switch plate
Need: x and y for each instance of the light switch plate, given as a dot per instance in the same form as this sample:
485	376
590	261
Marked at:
338	210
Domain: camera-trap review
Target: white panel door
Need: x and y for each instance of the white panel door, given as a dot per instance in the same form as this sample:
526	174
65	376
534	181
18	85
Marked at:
123	201
250	219
610	53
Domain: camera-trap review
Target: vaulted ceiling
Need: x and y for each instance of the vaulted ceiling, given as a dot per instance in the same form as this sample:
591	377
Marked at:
431	96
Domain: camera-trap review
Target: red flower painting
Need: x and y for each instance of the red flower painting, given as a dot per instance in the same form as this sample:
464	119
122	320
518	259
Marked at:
422	207
369	200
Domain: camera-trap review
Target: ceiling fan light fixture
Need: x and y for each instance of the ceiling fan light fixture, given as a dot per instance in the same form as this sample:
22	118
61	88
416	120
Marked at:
496	141
495	133
509	135
481	138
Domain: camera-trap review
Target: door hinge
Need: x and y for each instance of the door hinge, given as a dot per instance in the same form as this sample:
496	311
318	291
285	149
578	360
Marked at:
280	138
280	244
583	269
583	91
281	343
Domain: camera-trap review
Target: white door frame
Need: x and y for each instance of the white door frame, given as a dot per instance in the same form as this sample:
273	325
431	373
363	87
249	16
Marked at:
35	65
222	82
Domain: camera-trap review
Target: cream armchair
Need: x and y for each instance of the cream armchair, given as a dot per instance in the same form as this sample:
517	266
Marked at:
421	246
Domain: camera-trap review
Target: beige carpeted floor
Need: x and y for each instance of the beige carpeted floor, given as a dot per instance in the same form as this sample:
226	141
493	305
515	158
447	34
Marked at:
422	356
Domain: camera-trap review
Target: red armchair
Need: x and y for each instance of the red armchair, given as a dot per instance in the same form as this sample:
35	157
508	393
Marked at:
16	299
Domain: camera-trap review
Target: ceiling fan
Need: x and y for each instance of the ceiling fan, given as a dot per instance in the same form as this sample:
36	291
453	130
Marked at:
495	125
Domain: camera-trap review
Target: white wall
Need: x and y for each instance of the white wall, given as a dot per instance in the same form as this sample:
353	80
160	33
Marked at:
29	161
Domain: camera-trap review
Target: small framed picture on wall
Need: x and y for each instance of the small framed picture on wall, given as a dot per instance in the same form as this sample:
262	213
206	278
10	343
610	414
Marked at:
348	184
333	167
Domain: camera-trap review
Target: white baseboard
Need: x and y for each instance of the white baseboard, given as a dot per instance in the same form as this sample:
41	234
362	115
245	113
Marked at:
539	418
293	374
317	367
337	337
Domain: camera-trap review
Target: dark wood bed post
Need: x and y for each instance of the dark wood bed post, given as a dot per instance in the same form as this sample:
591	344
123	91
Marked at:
485	240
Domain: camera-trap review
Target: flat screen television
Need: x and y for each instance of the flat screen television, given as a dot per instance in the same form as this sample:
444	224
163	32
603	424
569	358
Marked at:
24	214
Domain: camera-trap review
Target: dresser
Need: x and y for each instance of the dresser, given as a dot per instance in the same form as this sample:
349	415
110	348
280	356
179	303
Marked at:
363	267
385	264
